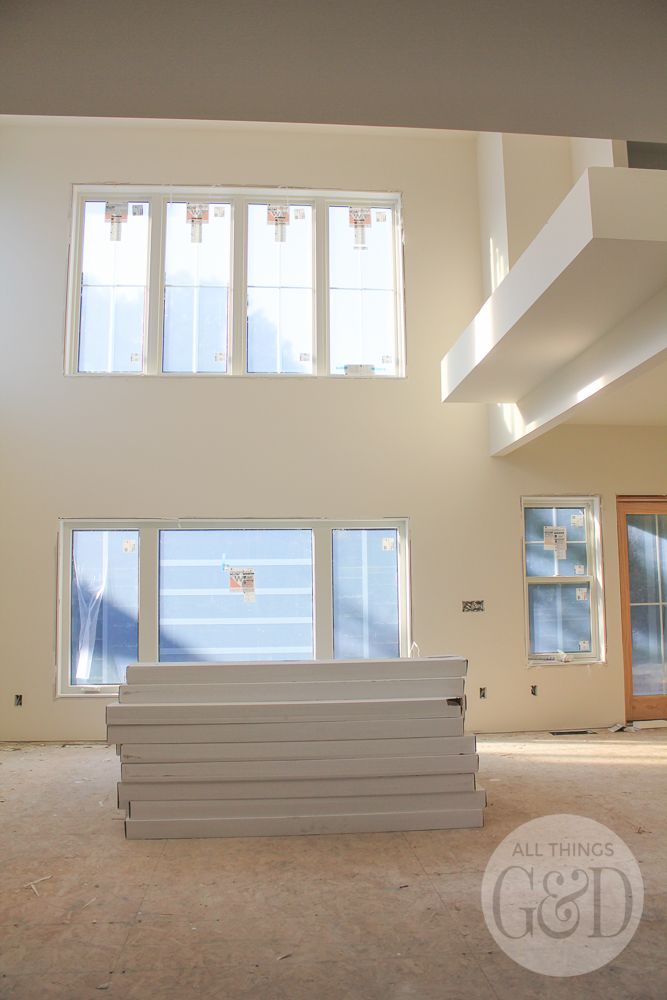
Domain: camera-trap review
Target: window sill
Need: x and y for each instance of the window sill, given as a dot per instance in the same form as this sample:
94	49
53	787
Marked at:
571	662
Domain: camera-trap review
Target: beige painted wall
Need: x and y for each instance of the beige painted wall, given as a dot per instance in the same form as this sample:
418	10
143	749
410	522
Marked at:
83	446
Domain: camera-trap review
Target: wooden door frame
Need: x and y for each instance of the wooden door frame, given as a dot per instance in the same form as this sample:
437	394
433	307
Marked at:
643	707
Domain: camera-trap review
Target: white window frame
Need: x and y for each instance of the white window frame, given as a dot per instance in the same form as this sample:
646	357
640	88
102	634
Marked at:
592	511
158	197
149	582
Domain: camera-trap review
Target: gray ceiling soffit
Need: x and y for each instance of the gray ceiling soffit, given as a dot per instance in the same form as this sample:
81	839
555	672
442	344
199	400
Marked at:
575	67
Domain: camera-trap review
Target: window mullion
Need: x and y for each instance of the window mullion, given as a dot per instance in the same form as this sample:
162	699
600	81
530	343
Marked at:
238	362
321	304
149	583
323	591
152	347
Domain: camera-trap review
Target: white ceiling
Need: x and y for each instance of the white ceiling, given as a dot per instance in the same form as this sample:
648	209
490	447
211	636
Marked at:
575	67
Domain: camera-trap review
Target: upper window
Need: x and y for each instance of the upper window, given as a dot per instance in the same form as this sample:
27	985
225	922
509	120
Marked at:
240	282
227	591
563	579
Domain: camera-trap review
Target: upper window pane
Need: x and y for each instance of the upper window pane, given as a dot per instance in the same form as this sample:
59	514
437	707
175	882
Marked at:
556	541
104	605
280	289
113	286
365	593
197	287
363	327
237	594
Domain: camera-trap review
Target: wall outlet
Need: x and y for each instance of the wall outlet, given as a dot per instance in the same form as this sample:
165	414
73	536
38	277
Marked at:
18	701
533	690
482	692
472	605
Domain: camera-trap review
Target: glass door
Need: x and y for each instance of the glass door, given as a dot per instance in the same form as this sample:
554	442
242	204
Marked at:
642	526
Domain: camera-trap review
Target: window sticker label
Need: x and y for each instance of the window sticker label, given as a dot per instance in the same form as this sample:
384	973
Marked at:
278	217
137	210
577	520
555	540
582	593
115	213
196	215
584	646
129	545
579	570
360	217
220	357
360	220
135	357
242	581
299	214
218	211
380	216
388	544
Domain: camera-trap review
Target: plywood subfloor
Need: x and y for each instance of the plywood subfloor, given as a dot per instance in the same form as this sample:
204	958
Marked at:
356	917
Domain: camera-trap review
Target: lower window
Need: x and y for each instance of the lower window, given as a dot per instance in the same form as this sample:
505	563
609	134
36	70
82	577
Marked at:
227	591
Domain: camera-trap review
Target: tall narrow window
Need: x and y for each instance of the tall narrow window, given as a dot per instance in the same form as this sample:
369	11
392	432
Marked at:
104	605
114	268
238	594
280	289
366	593
563	579
197	287
363	328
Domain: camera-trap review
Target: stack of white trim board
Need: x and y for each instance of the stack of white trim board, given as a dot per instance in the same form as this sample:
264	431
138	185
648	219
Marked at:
271	749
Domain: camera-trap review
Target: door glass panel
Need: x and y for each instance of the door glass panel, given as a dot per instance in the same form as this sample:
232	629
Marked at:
237	594
648	667
647	561
643	557
365	593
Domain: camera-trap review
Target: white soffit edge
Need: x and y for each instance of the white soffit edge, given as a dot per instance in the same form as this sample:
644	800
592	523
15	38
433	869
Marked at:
599	258
584	309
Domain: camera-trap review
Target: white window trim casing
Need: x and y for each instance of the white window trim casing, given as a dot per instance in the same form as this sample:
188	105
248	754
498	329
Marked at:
149	577
158	197
595	578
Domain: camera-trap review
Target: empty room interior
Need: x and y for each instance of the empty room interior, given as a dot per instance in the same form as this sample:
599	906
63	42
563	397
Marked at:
333	457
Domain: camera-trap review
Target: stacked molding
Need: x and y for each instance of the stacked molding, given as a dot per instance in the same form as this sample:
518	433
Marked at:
272	749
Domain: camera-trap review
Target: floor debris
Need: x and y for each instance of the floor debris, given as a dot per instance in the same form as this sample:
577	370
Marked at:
35	882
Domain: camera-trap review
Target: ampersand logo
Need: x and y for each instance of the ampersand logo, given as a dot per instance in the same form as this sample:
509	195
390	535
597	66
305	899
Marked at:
562	895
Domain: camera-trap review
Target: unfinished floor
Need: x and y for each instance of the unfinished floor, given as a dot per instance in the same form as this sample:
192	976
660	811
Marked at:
355	917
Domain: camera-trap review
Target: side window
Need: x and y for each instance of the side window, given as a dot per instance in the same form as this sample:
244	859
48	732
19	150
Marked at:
563	579
113	287
363	307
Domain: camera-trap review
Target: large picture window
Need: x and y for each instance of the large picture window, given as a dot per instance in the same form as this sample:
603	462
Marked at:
563	579
227	591
217	281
